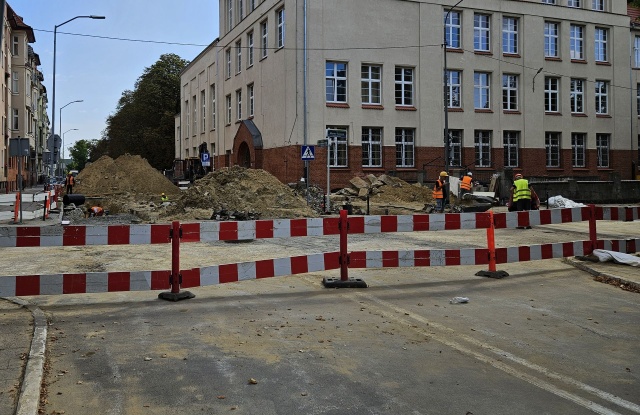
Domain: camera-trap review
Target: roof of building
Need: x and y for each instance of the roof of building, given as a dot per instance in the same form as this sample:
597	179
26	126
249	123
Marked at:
255	133
18	24
634	14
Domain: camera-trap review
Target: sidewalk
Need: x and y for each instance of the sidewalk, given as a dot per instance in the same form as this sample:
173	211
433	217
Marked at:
33	200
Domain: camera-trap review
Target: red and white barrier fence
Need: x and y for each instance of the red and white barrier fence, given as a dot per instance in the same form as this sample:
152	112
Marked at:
216	231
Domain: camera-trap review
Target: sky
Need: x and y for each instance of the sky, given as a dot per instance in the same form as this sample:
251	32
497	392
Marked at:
98	70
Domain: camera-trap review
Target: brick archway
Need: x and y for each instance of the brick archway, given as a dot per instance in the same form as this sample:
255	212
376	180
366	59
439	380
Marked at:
247	146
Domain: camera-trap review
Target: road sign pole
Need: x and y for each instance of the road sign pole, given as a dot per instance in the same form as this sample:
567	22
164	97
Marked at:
327	205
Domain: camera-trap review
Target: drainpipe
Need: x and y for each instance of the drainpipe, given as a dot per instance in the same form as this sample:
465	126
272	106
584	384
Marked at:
304	88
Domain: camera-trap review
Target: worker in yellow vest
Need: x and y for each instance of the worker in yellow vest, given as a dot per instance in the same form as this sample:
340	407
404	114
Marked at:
521	193
439	191
465	184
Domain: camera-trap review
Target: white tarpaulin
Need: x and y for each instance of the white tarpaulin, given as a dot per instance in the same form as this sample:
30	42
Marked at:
617	257
562	202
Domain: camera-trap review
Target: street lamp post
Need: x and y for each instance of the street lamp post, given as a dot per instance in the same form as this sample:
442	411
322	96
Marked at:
73	129
447	141
61	108
53	103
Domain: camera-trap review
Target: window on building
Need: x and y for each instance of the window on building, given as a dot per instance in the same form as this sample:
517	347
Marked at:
602	97
455	89
601	50
602	148
578	149
511	144
249	49
229	15
550	39
203	102
481	32
252	5
336	81
455	148
280	19
481	94
15	46
577	96
371	147
510	35
251	97
404	86
574	3
228	61
549	1
15	82
405	147
452	30
597	5
239	104
195	116
187	122
27	85
638	98
238	57
16	118
338	147
551	94
510	92
370	84
264	41
636	51
482	144
576	42
213	106
228	120
240	10
552	149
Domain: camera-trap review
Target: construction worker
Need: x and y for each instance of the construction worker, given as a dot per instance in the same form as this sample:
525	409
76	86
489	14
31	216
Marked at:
439	191
465	184
69	182
96	211
164	198
521	193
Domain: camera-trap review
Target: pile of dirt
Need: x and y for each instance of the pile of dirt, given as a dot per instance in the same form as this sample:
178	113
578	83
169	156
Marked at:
251	191
386	189
126	174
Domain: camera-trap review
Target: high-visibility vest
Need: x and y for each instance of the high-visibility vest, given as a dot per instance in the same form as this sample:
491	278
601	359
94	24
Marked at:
438	192
465	184
521	190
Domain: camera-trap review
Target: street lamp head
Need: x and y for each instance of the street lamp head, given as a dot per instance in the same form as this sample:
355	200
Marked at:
97	17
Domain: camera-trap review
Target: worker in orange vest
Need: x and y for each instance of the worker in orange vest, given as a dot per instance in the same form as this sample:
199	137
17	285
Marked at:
69	182
439	191
465	184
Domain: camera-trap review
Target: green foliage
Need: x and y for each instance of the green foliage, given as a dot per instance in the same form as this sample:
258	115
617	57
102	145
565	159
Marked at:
635	3
80	154
144	120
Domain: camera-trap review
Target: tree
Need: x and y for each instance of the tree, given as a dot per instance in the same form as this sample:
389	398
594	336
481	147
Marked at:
143	122
80	153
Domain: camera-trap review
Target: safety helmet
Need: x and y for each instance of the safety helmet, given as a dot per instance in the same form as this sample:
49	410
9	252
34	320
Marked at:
163	194
443	174
469	174
518	176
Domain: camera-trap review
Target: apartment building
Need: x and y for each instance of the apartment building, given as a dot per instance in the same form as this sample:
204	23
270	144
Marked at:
24	102
541	87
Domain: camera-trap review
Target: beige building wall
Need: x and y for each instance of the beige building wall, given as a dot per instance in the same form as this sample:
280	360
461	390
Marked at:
402	33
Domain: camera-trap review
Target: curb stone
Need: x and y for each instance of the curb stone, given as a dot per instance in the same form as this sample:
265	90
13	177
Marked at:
604	277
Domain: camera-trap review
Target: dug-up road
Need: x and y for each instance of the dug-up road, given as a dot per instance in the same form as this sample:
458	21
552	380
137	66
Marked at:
548	339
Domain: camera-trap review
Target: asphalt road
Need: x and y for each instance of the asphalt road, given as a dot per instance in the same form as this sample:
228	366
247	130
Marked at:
545	340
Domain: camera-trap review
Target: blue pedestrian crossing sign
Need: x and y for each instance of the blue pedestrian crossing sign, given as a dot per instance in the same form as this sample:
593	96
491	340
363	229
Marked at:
308	153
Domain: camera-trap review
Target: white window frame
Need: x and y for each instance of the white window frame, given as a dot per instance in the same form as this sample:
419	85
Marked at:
239	104
511	145
195	116
551	94
551	33
603	147
264	39
280	19
15	83
455	89
577	96
602	97
453	29
213	106
482	144
371	84
338	148
252	5
187	113
336	81
250	36
240	10
405	147
15	123
238	57
576	42
229	15
597	5
251	97
228	65
404	82
228	99
638	99
203	102
578	150
510	92
636	52
549	1
15	49
601	50
371	147
552	149
574	3
455	148
481	32
510	35
481	90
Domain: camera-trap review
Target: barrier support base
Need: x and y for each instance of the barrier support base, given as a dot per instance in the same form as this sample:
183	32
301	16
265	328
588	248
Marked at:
493	274
182	295
338	283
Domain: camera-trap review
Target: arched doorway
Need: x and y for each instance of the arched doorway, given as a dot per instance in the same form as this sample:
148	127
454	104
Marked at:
244	155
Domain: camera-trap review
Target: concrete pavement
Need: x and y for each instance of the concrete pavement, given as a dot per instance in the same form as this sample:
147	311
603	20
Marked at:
33	200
